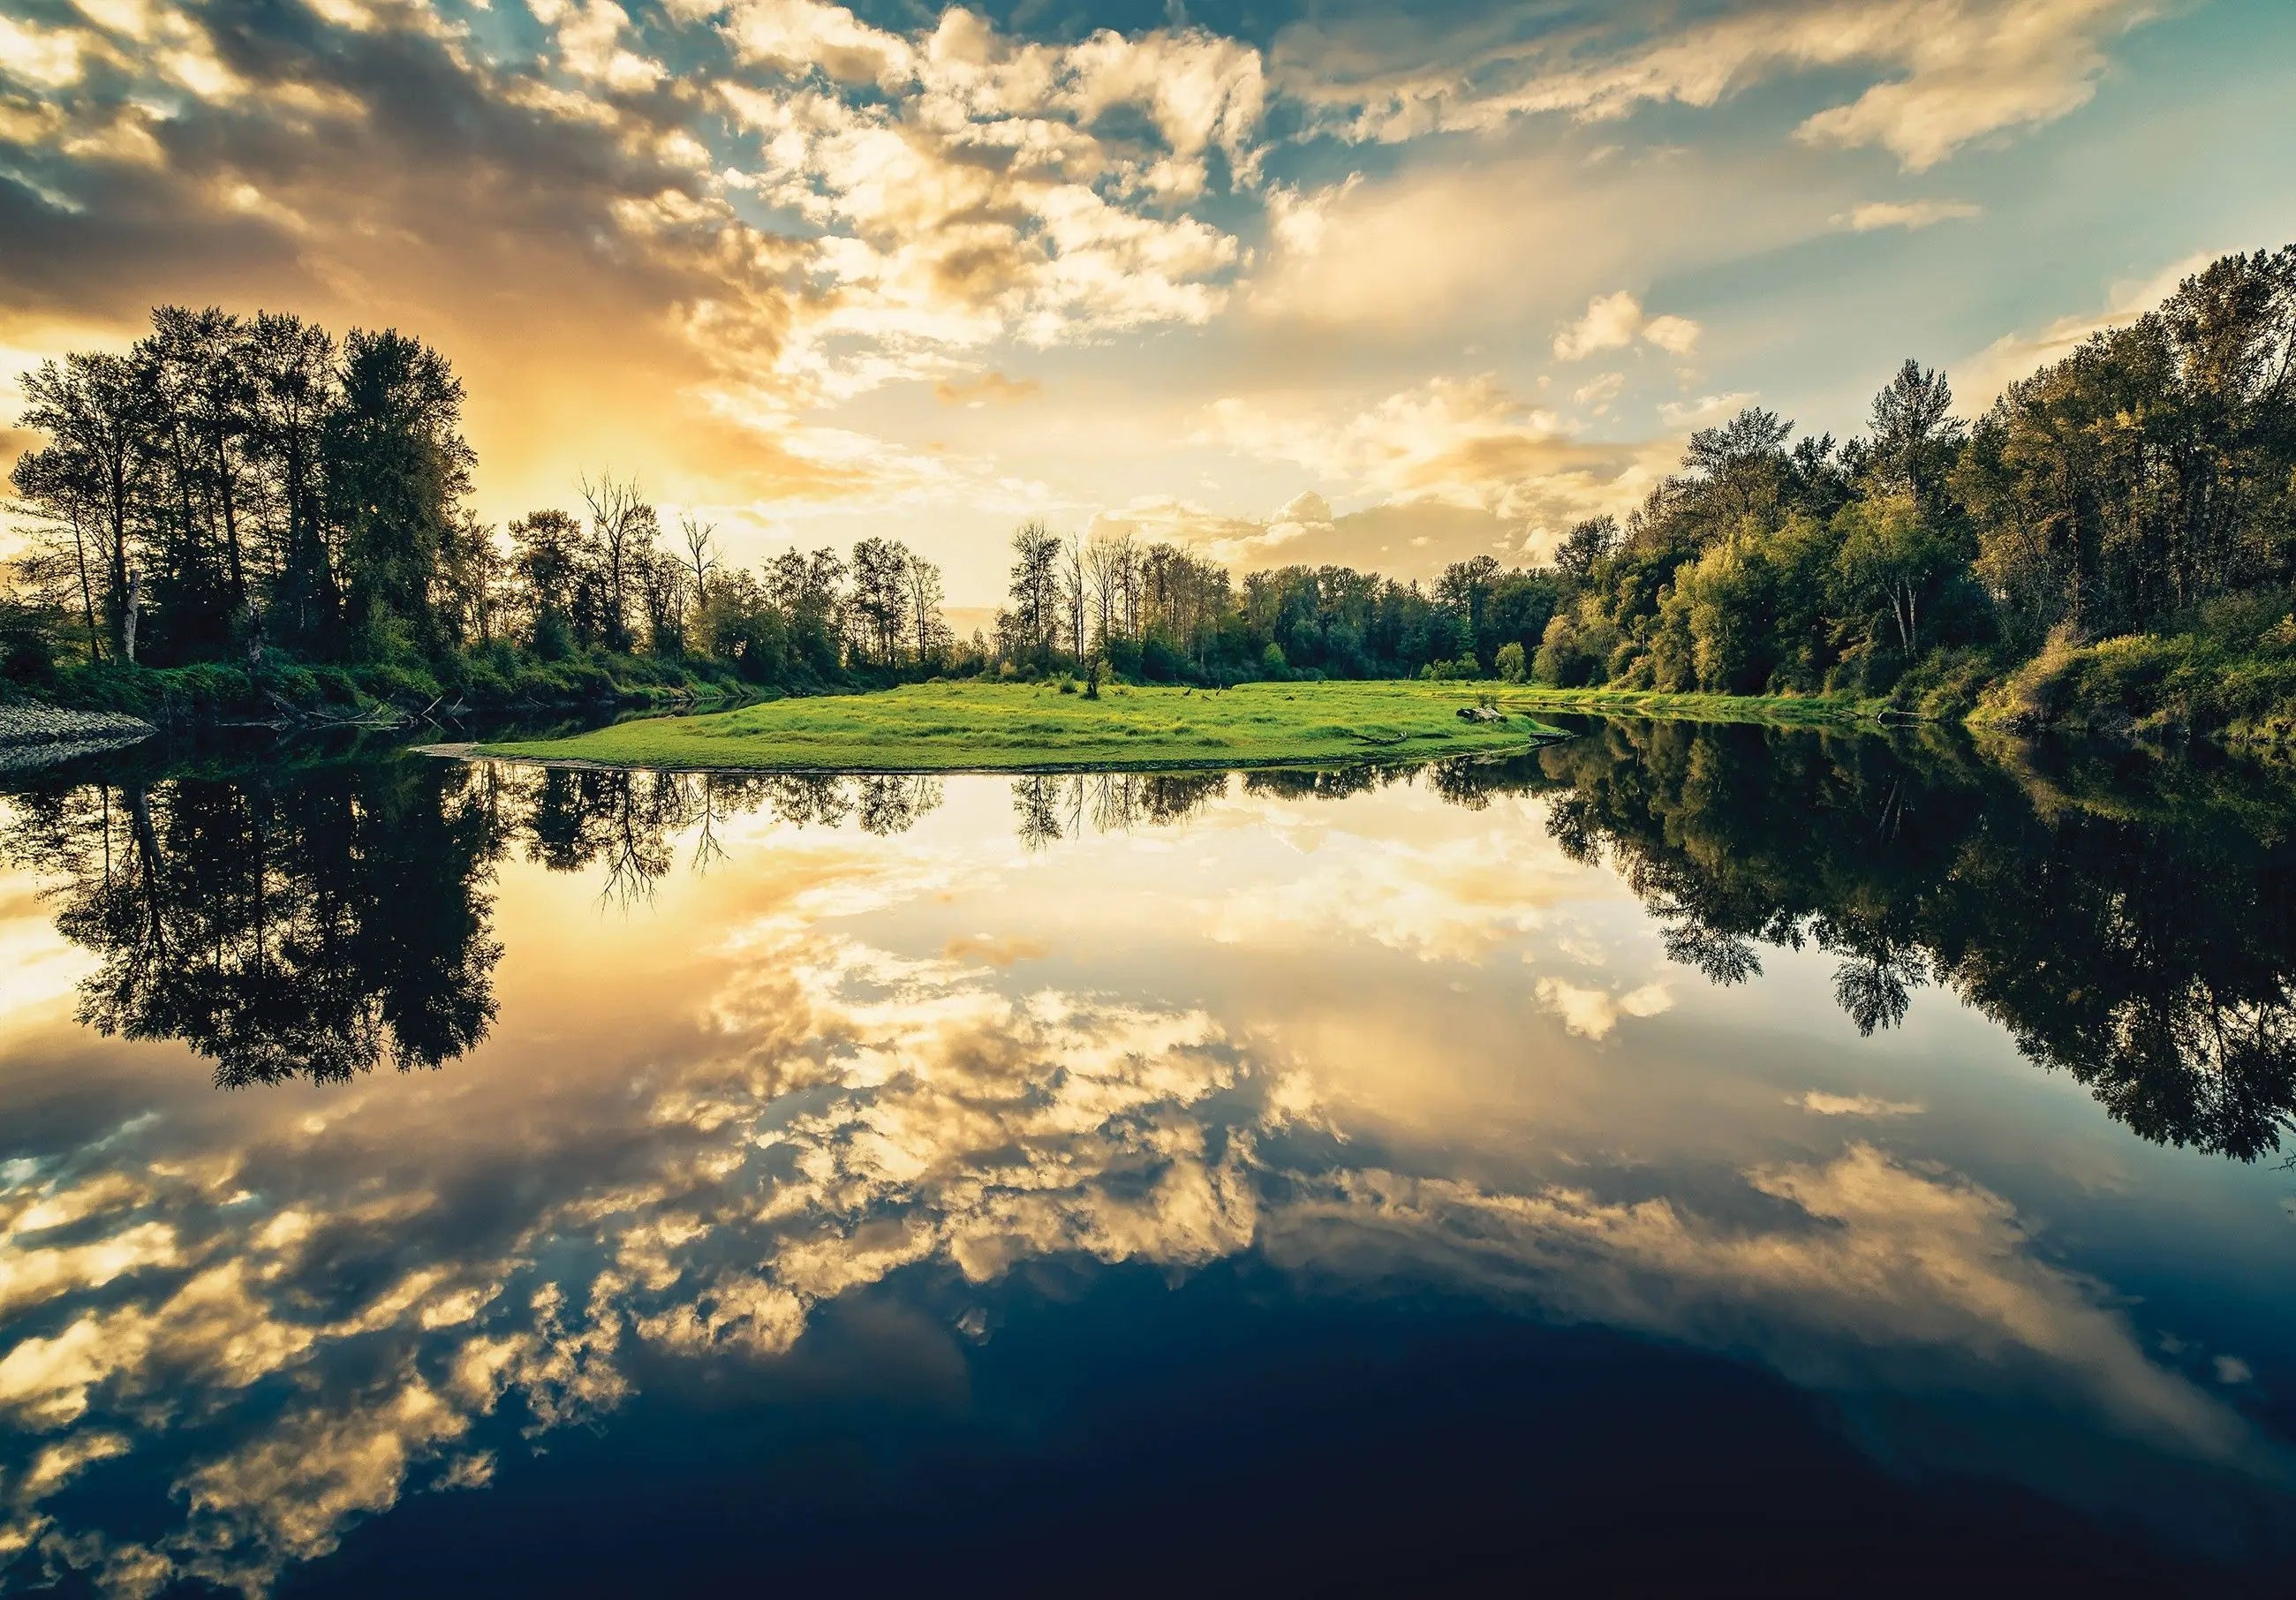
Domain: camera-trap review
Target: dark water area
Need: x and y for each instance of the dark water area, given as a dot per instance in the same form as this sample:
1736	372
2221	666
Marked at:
1682	1159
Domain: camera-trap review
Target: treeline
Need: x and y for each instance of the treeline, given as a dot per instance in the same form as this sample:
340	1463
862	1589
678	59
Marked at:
2115	536
1156	611
2114	539
258	493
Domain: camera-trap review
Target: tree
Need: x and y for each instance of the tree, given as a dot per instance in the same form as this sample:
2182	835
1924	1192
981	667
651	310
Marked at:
1035	589
1075	596
1109	571
99	416
546	577
701	556
1891	552
881	597
624	524
1465	587
396	467
929	632
1742	463
294	389
1587	545
1915	434
65	567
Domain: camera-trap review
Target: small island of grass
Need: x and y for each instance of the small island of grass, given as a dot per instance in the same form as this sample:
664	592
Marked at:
992	727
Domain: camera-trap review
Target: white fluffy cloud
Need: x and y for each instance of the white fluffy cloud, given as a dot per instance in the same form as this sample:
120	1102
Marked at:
1905	214
1680	414
1616	322
1592	1013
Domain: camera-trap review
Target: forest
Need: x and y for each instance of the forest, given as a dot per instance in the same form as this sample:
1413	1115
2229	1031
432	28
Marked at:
257	509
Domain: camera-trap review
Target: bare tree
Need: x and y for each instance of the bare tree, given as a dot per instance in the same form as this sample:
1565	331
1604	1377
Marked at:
624	524
926	626
1108	560
1073	593
700	555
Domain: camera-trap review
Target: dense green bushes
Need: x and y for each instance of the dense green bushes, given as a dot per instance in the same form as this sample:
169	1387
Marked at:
287	691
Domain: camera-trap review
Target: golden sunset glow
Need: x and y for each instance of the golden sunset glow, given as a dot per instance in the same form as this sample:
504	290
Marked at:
1348	285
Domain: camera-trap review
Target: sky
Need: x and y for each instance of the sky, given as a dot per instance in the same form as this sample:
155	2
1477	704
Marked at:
1379	284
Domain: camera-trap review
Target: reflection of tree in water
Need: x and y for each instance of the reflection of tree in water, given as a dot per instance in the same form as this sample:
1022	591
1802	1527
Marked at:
307	924
579	818
2136	928
317	921
2141	935
1048	806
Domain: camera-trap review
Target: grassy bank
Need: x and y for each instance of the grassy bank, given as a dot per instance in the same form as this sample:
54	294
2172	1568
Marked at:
941	727
287	693
2167	687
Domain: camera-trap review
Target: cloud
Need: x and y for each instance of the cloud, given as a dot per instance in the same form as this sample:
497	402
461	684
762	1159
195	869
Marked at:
1821	1104
1893	1261
1592	1013
1905	214
1978	379
990	388
1615	321
1476	466
1503	466
992	950
1705	409
1942	73
1597	394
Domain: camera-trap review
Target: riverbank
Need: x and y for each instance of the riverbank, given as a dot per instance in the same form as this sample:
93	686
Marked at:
37	736
1007	728
288	696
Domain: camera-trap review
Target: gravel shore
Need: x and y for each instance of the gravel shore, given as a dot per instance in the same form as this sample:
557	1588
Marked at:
23	725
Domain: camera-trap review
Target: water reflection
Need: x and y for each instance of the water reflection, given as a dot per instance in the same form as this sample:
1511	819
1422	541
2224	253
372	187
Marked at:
2133	928
303	924
926	1044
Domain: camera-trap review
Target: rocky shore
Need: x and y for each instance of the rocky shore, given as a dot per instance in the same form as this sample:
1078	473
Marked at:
33	736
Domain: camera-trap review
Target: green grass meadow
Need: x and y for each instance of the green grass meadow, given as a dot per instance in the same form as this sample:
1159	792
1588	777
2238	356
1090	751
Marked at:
977	726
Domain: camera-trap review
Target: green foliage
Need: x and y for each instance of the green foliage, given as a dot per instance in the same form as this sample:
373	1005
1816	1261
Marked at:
942	727
2222	674
2108	545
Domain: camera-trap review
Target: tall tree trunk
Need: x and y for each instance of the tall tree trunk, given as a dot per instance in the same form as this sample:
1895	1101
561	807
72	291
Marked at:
86	589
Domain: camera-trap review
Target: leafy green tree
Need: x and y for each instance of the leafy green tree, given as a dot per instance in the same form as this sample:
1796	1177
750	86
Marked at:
396	467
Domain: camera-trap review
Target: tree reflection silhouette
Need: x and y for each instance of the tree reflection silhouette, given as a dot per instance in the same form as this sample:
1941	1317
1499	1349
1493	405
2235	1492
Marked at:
310	923
2132	924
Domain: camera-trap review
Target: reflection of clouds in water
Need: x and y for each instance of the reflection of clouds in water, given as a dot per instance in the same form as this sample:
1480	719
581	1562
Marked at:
1881	1265
1452	897
995	949
1819	1103
1592	1014
322	1311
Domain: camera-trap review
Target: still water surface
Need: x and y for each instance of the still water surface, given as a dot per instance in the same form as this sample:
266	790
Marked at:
1682	1160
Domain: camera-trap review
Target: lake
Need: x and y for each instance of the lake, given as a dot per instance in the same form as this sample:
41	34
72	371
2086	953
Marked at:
1687	1159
